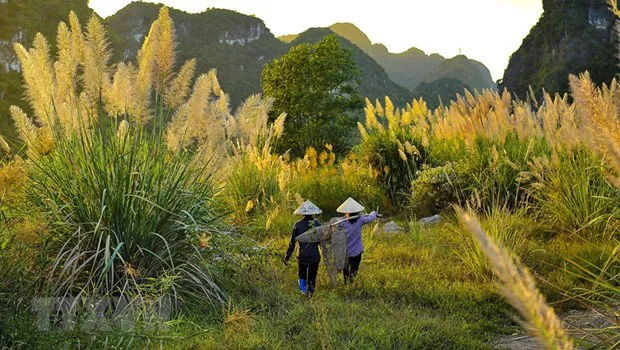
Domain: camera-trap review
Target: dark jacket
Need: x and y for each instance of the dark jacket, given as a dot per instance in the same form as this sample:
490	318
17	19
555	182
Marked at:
308	252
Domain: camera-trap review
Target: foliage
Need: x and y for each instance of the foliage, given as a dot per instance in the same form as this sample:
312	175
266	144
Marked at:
263	190
317	86
436	189
390	146
327	184
603	122
252	185
135	173
510	230
497	137
130	217
375	82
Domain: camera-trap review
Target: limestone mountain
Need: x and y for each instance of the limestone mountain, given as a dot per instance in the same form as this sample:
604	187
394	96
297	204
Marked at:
571	36
414	67
235	44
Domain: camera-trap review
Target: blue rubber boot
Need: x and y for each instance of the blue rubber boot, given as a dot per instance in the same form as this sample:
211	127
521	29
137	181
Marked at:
302	286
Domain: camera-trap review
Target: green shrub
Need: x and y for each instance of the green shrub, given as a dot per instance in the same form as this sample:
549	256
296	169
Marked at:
443	151
384	151
436	189
498	166
392	146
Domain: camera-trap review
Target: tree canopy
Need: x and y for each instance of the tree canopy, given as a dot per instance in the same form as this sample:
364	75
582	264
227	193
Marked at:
318	87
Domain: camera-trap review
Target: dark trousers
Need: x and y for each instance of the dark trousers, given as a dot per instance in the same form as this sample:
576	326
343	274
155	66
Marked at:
308	272
351	266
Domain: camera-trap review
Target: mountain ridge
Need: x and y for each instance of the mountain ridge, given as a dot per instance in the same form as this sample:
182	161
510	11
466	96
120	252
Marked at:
238	46
413	66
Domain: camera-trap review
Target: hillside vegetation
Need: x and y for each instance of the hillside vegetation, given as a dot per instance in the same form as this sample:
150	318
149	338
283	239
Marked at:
570	37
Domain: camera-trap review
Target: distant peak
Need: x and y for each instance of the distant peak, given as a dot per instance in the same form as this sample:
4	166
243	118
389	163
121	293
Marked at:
415	51
352	33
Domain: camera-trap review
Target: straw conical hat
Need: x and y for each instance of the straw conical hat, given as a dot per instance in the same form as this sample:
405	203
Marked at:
308	208
350	206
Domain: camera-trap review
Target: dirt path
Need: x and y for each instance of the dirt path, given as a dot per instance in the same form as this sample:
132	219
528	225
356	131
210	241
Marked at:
579	324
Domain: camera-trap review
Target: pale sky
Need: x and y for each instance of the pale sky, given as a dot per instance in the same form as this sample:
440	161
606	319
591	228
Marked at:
486	30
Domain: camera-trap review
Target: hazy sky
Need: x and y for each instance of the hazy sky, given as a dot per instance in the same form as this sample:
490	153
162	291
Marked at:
486	30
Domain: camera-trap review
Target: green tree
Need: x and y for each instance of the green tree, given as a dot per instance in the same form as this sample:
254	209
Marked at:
318	87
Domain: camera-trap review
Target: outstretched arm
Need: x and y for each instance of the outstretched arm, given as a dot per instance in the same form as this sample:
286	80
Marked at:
291	245
369	218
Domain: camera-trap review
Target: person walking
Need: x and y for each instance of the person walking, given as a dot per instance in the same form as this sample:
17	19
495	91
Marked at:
353	228
308	257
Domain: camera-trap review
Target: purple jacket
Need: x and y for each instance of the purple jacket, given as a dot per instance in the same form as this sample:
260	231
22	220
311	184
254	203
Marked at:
354	233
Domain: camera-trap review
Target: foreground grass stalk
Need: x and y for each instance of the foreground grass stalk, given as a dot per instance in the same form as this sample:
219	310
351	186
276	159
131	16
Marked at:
519	288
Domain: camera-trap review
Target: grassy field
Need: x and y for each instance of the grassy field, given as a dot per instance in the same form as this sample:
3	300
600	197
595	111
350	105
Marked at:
413	291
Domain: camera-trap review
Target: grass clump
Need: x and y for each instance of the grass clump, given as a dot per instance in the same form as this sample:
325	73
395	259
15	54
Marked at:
511	230
124	213
572	195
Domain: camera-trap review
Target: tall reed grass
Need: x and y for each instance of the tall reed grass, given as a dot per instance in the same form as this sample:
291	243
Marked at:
122	164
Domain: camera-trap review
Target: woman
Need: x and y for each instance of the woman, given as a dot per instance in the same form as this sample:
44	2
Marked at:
353	229
309	257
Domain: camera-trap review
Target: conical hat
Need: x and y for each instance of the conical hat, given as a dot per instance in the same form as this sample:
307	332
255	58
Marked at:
308	208
350	206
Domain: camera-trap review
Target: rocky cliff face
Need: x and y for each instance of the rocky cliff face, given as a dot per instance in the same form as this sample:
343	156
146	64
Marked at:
571	36
242	35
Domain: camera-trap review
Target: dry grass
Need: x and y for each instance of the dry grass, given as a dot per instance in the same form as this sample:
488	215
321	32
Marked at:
487	114
599	108
65	91
238	319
